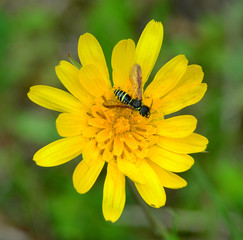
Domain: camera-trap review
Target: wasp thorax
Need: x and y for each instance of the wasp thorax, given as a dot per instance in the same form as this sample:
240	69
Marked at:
136	104
121	125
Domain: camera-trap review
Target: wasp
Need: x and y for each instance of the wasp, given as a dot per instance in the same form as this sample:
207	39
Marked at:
126	101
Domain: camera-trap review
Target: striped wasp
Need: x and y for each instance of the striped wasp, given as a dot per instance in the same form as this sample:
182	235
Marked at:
126	101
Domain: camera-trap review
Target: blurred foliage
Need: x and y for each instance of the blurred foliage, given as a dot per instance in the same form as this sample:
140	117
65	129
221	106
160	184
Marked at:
41	202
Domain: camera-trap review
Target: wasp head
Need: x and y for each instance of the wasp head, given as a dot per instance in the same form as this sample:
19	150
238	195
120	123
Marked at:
145	111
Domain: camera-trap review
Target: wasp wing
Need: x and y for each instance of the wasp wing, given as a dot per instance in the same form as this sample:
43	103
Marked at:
136	80
114	104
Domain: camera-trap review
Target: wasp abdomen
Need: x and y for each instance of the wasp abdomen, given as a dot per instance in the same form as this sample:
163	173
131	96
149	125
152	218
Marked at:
123	96
136	104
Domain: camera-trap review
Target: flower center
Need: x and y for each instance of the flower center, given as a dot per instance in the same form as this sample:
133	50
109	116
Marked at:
121	125
118	132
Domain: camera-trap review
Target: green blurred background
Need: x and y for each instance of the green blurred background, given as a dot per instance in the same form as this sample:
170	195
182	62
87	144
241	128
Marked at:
41	203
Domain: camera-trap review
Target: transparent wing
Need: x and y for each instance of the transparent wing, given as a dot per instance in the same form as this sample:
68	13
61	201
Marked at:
114	104
136	80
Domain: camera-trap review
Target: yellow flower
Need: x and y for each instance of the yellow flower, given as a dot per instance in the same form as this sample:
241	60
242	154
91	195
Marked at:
146	150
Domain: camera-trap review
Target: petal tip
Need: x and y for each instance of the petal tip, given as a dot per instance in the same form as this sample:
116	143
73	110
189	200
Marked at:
84	37
30	92
159	205
155	22
155	27
184	183
206	142
110	219
182	57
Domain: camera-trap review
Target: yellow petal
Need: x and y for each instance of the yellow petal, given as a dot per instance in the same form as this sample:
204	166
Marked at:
193	75
92	80
122	60
148	47
97	122
182	97
90	52
90	132
59	152
86	174
54	99
167	77
131	141
114	195
135	170
70	124
167	178
107	155
118	146
69	76
170	161
103	135
152	191
190	144
177	127
90	151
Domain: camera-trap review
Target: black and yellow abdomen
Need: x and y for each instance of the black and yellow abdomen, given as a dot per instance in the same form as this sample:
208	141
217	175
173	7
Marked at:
123	96
136	104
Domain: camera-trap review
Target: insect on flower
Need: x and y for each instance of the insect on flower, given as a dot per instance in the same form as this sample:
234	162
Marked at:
136	81
107	119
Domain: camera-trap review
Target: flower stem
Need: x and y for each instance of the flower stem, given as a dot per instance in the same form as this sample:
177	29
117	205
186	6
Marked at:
156	225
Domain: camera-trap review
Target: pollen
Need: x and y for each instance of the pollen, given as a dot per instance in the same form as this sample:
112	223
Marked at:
121	125
119	132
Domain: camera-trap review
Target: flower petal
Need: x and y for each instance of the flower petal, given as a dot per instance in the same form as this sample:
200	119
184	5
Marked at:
190	144
131	141
69	76
90	52
92	80
90	151
167	77
122	60
182	97
167	178
86	173
148	47
135	170
177	127
54	99
59	152
152	191
118	146
103	135
170	161
193	75
70	124
114	195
